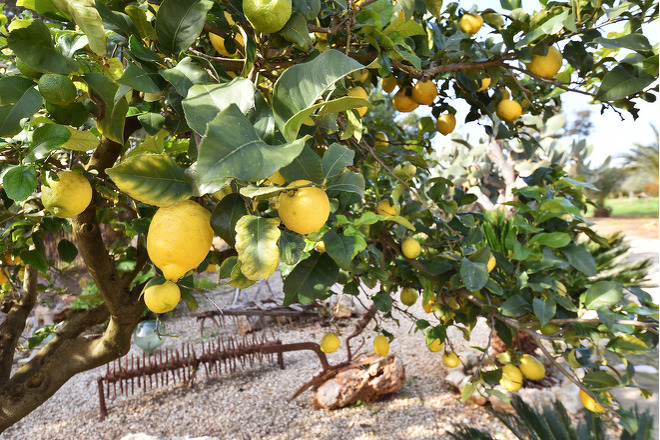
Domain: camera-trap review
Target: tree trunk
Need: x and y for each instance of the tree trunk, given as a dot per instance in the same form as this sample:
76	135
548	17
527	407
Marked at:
71	351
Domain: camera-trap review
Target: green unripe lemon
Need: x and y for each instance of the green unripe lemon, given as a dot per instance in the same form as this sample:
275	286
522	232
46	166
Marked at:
408	296
57	89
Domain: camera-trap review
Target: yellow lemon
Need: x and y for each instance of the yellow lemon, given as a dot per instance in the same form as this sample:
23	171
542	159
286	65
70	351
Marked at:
68	196
451	359
531	367
277	178
267	15
387	209
162	298
359	92
3	276
408	296
491	263
411	248
508	110
179	238
446	123
362	75
549	329
381	345
590	403
485	83
471	23
511	378
382	140
304	210
546	66
389	83
219	44
424	92
222	192
403	102
330	343
320	247
435	345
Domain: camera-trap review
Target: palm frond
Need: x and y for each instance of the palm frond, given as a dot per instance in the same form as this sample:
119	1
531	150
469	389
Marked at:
462	432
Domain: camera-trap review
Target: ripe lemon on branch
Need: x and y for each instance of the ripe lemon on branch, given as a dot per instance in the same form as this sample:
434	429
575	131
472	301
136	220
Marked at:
508	110
387	209
403	101
411	248
304	210
511	378
219	43
381	345
408	296
179	238
424	92
546	66
471	23
163	297
359	92
67	196
330	343
446	123
267	15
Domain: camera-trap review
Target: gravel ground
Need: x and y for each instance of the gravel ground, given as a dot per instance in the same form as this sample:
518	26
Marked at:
252	403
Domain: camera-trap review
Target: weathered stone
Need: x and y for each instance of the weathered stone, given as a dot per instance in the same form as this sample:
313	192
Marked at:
342	306
383	377
456	378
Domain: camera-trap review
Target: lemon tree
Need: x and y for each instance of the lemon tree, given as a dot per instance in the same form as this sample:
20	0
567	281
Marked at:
273	126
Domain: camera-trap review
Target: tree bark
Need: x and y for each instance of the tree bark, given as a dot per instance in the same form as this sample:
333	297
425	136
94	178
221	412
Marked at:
71	351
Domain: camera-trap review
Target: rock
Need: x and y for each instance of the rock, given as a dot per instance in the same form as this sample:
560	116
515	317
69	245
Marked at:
569	395
497	403
456	378
537	398
477	398
469	359
383	377
342	306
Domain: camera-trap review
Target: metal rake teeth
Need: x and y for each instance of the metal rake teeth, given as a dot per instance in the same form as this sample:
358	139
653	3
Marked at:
216	356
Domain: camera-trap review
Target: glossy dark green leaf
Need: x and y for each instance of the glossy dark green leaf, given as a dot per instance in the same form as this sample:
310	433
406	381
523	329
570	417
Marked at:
628	344
336	159
295	31
551	239
225	216
152	122
580	259
544	309
340	248
231	147
115	21
112	113
154	179
382	301
515	306
351	182
306	166
184	75
309	8
20	100
19	182
474	275
46	138
599	380
139	19
34	46
291	247
300	86
36	259
630	41
179	23
619	83
311	279
141	79
67	250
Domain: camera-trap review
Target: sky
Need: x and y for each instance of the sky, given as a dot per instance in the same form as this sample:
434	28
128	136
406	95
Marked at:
610	135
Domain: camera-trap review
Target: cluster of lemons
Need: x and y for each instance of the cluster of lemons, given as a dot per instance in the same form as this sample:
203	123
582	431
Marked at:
330	343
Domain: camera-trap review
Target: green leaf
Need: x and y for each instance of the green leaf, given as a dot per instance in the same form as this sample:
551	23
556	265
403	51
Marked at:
19	100
295	31
580	259
67	250
300	86
306	166
179	23
34	46
630	41
335	159
340	248
628	344
152	122
600	380
204	101
154	179
382	301
291	247
35	259
226	215
115	21
256	244
88	19
139	52
46	138
232	148
468	389
352	182
81	140
309	8
44	7
474	275
544	309
184	75
139	19
603	294
141	80
19	182
551	239
311	279
112	107
619	83
515	306
232	267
